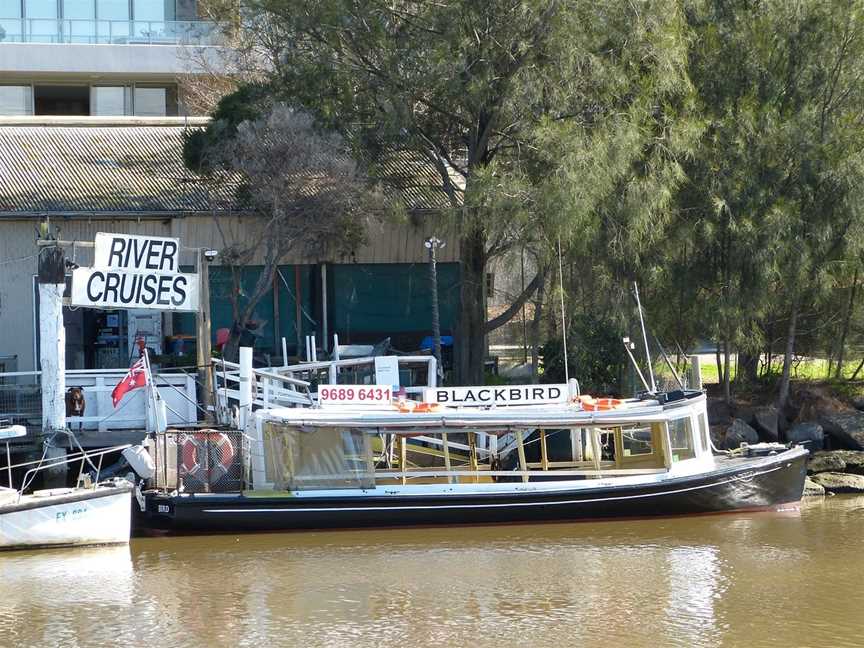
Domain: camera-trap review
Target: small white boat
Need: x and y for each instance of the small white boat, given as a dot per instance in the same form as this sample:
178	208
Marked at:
85	515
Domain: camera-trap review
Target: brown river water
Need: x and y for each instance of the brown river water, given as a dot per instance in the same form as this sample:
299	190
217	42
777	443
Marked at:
758	579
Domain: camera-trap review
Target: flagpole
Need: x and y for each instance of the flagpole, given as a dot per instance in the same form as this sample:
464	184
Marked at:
152	394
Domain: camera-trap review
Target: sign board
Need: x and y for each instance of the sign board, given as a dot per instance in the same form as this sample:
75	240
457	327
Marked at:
387	370
500	395
365	395
98	288
135	272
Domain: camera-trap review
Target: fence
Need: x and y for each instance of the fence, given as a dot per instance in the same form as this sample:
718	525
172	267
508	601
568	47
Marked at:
21	400
123	32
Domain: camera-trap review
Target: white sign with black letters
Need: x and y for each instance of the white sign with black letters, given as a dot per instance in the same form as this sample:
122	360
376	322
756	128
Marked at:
135	272
497	395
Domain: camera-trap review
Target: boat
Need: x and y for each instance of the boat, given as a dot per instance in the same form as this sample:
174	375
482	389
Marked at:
467	455
95	512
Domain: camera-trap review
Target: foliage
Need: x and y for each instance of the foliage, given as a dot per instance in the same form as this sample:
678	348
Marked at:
538	115
594	354
303	190
768	226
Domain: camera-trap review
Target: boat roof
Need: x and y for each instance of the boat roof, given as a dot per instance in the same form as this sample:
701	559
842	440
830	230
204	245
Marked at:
534	416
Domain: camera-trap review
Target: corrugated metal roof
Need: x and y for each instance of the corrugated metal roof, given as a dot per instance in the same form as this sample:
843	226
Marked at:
99	170
130	166
417	181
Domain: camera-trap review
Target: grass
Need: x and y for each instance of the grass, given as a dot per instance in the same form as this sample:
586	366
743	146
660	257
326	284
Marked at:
805	369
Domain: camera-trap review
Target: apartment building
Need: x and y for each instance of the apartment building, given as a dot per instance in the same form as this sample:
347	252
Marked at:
92	124
100	57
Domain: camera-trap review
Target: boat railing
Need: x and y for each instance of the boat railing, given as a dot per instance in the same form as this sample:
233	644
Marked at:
269	389
93	458
334	372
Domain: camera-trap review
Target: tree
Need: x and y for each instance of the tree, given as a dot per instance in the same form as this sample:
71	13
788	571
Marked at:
772	205
296	188
532	111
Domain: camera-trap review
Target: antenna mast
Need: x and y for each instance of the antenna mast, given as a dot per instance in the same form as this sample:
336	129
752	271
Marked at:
563	319
645	339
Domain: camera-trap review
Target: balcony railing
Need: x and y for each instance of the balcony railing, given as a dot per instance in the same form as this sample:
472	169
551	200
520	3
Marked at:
115	32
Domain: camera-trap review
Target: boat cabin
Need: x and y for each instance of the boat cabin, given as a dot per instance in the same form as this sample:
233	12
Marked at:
363	448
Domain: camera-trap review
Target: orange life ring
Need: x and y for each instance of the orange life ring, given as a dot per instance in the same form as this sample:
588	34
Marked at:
591	404
417	408
219	462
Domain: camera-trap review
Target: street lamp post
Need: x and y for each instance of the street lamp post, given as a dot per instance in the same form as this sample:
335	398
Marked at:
433	244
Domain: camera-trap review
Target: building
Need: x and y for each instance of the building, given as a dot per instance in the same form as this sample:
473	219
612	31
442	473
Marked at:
125	174
92	116
100	57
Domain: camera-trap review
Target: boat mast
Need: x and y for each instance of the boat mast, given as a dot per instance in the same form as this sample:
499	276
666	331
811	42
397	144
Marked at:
563	319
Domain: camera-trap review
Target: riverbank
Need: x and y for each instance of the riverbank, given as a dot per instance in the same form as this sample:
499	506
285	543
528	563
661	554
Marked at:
827	420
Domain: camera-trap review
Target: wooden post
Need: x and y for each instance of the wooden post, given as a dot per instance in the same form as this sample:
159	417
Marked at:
695	373
298	313
52	336
446	457
472	455
544	454
277	319
204	352
403	459
596	451
520	447
52	352
245	396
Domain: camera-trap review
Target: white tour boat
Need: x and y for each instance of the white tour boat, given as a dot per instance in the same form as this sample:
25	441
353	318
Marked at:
465	455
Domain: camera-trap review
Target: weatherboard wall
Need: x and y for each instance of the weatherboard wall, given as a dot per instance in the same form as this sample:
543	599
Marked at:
382	289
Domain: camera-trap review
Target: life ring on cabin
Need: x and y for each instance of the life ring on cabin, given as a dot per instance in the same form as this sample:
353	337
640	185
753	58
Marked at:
591	404
414	407
206	469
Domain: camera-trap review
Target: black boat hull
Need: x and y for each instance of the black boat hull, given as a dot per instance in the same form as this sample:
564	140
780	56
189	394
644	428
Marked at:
760	483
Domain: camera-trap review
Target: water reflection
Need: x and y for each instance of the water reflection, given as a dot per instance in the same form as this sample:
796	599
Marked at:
754	580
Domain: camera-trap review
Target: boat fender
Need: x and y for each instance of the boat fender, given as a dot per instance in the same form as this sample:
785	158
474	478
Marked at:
140	461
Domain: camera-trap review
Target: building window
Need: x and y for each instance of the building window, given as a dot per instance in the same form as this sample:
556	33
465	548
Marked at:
41	21
151	102
62	100
110	100
11	25
16	100
78	21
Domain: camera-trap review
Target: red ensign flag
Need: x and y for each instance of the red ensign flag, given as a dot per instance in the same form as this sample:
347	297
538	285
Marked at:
137	377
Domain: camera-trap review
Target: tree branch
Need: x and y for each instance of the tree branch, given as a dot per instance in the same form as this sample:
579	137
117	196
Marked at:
511	311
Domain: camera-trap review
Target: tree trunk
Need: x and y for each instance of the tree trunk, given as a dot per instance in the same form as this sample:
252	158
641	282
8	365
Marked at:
719	363
535	336
727	392
842	349
471	345
748	367
783	396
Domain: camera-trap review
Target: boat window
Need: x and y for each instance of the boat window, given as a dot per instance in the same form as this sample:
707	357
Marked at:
704	432
300	458
681	439
636	442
